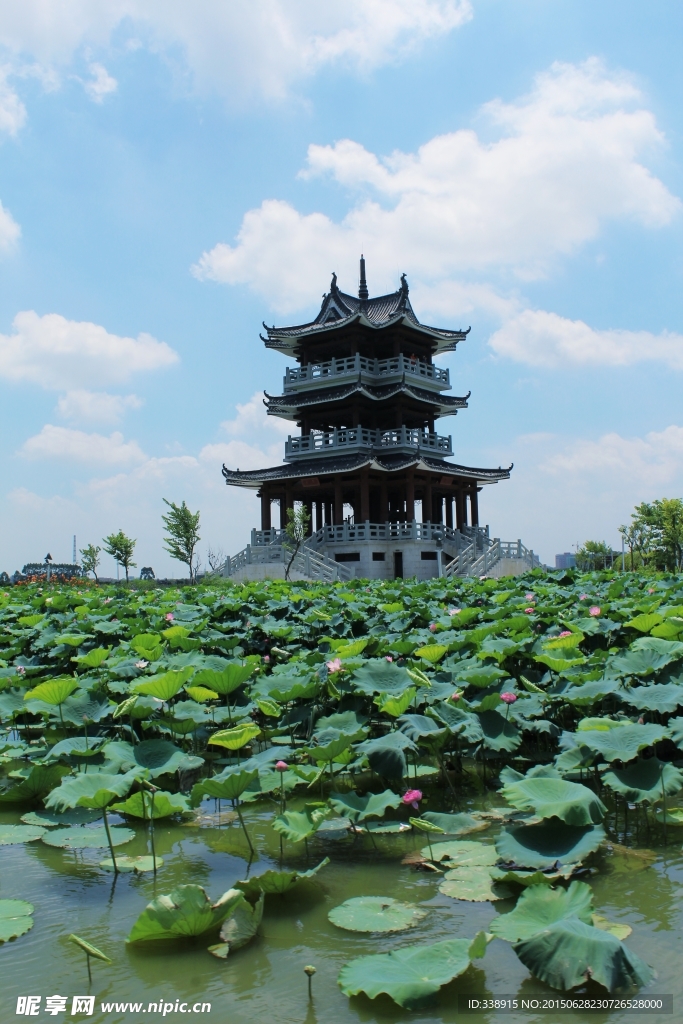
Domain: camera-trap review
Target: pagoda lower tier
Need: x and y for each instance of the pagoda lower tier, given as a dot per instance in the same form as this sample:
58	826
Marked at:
379	488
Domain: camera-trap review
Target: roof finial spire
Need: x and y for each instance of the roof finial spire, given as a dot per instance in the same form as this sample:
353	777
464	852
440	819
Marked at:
363	293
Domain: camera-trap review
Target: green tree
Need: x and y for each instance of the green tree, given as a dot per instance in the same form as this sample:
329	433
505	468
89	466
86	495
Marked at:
182	535
90	559
595	554
661	524
296	530
121	549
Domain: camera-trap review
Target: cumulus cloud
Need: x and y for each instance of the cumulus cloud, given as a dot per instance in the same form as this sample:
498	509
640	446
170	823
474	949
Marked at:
245	46
539	338
252	417
653	460
96	406
76	446
101	83
9	229
567	160
12	110
62	354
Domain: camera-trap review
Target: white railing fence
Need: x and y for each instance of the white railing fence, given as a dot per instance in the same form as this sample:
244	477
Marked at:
354	365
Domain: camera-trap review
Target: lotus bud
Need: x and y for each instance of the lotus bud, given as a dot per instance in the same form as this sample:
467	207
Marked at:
508	698
594	610
281	766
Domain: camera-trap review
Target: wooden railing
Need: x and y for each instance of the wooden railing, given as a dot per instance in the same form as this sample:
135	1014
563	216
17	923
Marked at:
325	373
345	438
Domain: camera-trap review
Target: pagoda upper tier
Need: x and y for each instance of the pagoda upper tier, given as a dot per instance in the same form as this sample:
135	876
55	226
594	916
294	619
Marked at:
348	325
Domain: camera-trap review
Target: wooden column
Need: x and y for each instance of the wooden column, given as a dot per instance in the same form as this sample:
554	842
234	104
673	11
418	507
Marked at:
318	515
364	496
449	510
338	503
265	507
460	511
437	509
474	506
289	503
410	495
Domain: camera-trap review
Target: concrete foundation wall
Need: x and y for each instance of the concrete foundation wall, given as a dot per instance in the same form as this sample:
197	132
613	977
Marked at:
383	569
268	571
508	567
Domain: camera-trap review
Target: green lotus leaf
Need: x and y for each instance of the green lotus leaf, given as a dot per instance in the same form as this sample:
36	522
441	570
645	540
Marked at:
386	754
412	974
425	826
623	744
431	653
140	805
621	931
589	693
15	919
673	816
166	685
94	658
225	681
172	633
48	819
460	722
240	928
53	692
88	948
644	623
184	912
13	834
351	650
481	677
392	705
603	724
235	738
289	688
156	757
200	693
143	643
136	864
540	906
564	643
93	791
645	781
380	676
526	878
561	664
30	620
567	953
228	786
331	744
76	745
39	782
662	697
474	884
375	914
556	798
456	824
72	639
271	708
360	808
499	733
80	838
464	852
299	825
548	844
278	882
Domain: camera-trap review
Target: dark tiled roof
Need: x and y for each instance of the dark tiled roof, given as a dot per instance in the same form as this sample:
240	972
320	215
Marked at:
324	396
348	463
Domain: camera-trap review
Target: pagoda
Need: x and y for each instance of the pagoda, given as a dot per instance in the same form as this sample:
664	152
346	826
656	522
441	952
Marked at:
365	395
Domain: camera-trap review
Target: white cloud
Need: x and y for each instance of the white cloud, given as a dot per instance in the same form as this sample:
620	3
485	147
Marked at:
243	46
101	84
96	406
567	161
539	338
653	461
76	446
9	229
12	110
253	417
65	354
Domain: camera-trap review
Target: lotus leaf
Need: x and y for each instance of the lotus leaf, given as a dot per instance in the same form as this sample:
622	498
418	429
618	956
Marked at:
561	664
299	825
165	686
15	919
228	786
662	697
39	782
481	677
156	757
472	883
645	781
644	623
94	658
184	912
411	975
548	798
93	791
623	744
140	805
47	819
395	705
72	639
236	738
53	692
351	650
499	734
548	844
200	693
225	681
12	834
278	882
89	949
77	745
360	808
456	824
569	952
465	852
80	838
540	906
564	643
431	653
380	676
621	931
375	914
137	864
240	928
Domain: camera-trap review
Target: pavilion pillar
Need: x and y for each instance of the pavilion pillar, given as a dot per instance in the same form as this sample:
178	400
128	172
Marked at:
427	501
437	509
410	496
364	496
265	507
318	515
289	503
384	502
338	503
308	505
449	510
474	506
460	510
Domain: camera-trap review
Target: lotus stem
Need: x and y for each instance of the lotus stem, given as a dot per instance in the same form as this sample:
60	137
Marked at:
87	960
154	855
109	840
664	803
244	827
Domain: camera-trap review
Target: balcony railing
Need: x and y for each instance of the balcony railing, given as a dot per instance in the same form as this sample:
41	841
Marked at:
376	370
345	439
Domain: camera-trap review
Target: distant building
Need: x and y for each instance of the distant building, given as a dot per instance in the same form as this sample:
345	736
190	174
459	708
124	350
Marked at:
565	561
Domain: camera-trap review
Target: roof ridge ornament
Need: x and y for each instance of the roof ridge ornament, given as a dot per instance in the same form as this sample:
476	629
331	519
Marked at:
363	293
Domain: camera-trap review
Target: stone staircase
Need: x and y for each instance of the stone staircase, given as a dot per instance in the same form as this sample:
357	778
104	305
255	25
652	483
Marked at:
498	558
265	561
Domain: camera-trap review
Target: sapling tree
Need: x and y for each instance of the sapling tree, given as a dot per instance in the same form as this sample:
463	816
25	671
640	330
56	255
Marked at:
296	531
182	535
90	559
121	549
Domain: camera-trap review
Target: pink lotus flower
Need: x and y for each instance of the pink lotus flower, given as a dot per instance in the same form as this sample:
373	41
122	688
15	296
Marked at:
433	627
413	797
141	664
281	766
529	597
335	665
583	597
651	591
21	670
454	611
169	616
455	696
266	658
528	611
594	610
567	632
106	600
387	657
508	698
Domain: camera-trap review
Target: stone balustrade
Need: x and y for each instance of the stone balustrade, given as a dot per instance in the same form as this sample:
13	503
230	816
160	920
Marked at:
344	439
373	370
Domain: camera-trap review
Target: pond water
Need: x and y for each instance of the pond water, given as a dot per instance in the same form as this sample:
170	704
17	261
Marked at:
265	980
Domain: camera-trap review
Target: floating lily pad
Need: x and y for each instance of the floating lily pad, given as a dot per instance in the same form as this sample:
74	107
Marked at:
540	906
11	835
375	914
465	852
139	864
15	919
456	824
621	931
87	838
412	974
51	819
473	883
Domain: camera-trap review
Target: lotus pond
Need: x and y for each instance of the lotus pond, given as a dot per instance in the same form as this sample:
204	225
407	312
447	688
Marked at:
420	790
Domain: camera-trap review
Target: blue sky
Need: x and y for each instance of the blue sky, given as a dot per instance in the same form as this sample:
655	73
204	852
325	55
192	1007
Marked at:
172	174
